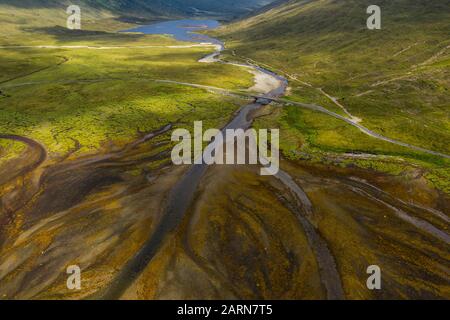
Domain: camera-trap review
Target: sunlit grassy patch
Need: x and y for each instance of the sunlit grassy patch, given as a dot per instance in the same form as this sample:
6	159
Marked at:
9	150
313	136
63	96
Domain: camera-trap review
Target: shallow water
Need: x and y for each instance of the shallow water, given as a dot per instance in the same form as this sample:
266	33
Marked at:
182	30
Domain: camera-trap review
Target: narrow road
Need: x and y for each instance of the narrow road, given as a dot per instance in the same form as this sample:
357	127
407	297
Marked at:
182	196
362	128
353	122
214	58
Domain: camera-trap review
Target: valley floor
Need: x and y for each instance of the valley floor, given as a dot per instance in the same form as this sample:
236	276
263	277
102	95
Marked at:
86	179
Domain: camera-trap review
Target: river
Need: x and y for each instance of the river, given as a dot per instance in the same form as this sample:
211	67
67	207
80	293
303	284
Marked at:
349	223
183	194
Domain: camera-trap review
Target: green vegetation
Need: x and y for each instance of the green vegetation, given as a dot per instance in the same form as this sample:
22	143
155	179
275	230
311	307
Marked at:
395	79
136	10
9	150
99	95
65	96
313	136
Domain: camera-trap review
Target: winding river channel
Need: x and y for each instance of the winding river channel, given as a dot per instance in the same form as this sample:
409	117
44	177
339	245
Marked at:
309	225
183	194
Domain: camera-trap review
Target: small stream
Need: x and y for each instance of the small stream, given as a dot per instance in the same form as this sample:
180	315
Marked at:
182	195
65	185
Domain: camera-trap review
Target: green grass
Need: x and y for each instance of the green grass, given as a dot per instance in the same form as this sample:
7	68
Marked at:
9	150
313	136
57	105
95	96
60	96
326	44
63	113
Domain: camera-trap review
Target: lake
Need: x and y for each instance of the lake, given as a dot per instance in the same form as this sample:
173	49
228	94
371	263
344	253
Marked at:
182	30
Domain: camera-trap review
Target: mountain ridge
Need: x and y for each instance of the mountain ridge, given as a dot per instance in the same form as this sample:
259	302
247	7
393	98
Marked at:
227	8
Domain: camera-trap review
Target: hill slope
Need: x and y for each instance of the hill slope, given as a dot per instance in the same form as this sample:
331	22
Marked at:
397	79
21	18
153	7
